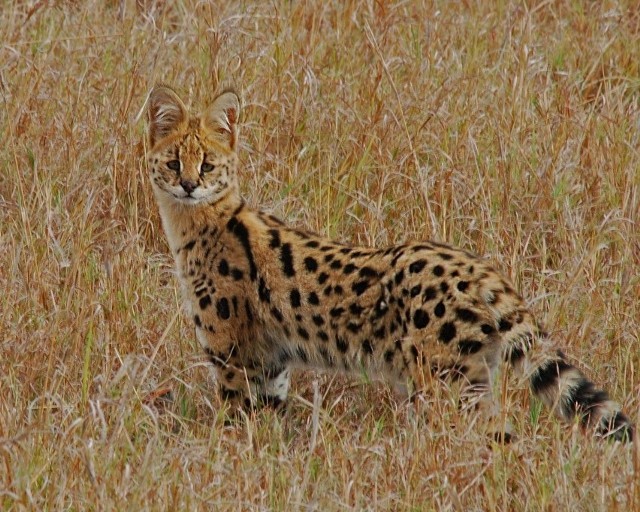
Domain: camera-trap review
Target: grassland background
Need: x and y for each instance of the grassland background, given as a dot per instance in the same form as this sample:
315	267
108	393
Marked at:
509	128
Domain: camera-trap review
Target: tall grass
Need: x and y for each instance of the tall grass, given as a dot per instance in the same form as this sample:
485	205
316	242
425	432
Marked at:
508	128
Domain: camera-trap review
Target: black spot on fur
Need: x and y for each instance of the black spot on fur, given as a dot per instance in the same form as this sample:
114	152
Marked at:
286	257
323	336
504	325
197	321
322	277
417	266
223	267
341	345
310	264
439	310
447	332
381	308
294	298
367	347
462	285
399	277
415	291
313	299
318	320
263	292
359	287
429	293
275	238
349	268
467	347
420	319
353	327
237	274
487	329
189	245
335	312
368	272
204	302
313	244
277	314
241	232
466	315
438	270
222	307
303	333
355	309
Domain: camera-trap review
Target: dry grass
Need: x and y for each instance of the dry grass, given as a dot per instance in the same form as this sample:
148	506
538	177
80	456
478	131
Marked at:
510	128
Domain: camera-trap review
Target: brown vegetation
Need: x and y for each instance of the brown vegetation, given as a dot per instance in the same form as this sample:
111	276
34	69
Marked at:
508	128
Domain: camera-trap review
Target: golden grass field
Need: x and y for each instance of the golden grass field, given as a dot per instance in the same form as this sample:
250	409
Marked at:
511	129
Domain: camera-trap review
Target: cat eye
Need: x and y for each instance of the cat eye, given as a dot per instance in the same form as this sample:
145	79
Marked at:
206	167
174	165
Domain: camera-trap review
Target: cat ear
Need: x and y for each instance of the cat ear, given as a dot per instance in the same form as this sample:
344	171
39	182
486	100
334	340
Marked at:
222	116
166	113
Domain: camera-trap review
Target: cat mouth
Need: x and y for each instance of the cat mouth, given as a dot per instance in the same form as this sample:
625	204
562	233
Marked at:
188	198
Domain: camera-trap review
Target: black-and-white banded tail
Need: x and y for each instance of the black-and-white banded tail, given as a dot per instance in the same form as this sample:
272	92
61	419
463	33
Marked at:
565	389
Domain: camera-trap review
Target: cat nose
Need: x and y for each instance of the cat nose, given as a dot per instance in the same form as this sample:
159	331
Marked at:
188	186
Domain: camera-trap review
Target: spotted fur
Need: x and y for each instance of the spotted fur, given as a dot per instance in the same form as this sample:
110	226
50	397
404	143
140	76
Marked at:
266	298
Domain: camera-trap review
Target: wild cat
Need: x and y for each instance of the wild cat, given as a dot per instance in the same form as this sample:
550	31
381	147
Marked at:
266	298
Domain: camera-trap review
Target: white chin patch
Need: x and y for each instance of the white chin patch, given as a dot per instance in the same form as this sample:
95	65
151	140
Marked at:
200	194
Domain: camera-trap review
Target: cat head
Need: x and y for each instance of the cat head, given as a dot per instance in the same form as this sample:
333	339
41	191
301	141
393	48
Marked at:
192	158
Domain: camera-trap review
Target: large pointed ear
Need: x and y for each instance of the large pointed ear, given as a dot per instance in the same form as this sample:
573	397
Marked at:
166	113
222	116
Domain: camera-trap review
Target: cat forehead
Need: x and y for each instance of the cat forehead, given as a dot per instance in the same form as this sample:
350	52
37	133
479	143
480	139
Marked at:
191	142
197	140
